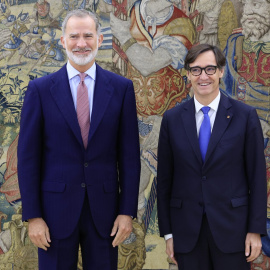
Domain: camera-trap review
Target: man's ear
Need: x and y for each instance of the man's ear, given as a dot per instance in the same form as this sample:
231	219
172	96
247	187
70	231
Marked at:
188	74
221	72
63	42
100	40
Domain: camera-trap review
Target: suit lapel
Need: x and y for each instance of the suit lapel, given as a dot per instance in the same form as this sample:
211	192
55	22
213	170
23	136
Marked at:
188	117
61	93
222	121
102	94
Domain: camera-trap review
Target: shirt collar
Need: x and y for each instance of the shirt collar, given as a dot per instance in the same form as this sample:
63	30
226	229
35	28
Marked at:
213	105
72	72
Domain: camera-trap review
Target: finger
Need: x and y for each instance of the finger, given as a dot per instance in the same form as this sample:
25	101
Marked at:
174	260
252	256
43	238
114	229
43	247
255	252
119	238
170	253
247	249
43	243
123	233
122	236
38	242
47	234
116	240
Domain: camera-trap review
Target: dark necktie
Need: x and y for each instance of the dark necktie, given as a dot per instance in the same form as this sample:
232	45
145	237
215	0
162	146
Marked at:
205	132
83	110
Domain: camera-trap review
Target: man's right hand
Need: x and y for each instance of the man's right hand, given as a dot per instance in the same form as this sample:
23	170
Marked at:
38	232
169	250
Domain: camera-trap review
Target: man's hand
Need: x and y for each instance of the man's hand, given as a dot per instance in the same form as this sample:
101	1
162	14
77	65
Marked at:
169	250
38	232
253	246
121	229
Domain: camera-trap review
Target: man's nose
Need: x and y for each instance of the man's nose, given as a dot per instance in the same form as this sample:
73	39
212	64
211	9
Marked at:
247	9
204	75
81	42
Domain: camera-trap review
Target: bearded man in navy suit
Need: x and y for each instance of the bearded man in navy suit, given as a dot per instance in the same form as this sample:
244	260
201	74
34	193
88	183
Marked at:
78	156
211	174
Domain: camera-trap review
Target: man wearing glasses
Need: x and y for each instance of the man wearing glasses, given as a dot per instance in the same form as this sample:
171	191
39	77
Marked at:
211	174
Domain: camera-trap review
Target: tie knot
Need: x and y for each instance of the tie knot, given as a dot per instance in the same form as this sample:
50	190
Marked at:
82	76
205	109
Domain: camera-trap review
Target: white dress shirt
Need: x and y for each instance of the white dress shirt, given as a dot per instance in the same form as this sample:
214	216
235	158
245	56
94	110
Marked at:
199	118
74	80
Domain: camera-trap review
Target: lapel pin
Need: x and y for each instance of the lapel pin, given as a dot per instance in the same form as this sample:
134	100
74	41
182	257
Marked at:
228	116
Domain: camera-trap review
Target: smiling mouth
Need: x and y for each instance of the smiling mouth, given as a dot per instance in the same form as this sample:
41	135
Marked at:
81	51
204	84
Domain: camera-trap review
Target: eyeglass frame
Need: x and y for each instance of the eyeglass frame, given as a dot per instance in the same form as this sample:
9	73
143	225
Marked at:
216	67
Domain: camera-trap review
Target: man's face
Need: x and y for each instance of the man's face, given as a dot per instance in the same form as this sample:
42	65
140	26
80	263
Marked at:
255	19
43	8
81	42
206	87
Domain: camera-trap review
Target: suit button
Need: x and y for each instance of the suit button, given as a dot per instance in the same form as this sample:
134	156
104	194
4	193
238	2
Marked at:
85	164
204	178
83	185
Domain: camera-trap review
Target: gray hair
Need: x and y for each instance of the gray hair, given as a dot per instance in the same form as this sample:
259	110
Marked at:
81	13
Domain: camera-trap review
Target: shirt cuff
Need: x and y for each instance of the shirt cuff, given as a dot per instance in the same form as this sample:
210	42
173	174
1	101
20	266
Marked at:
167	236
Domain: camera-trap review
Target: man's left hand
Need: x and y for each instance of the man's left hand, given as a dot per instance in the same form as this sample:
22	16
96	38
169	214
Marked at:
253	246
121	229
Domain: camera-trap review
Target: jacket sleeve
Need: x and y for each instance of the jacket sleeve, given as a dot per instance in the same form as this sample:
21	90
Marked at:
164	178
256	175
129	155
29	153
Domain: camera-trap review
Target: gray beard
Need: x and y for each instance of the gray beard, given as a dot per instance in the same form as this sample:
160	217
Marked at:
82	60
258	29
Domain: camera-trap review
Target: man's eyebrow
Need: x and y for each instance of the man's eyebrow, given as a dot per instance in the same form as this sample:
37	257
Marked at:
75	34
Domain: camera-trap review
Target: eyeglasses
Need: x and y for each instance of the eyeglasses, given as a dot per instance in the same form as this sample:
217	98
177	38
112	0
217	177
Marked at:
197	71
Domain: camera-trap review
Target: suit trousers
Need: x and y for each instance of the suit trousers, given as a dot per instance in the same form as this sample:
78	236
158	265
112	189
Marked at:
97	252
207	256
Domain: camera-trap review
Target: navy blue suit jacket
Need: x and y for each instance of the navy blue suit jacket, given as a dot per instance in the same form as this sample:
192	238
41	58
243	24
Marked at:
230	186
54	169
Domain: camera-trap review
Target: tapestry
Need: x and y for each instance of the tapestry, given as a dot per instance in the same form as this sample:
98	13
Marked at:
145	41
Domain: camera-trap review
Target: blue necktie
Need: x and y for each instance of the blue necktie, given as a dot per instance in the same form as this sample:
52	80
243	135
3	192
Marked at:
205	132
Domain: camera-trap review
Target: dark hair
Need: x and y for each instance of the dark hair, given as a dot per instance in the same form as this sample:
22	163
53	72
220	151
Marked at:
196	50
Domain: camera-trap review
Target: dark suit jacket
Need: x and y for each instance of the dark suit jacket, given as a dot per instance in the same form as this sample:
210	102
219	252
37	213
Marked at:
230	185
54	168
